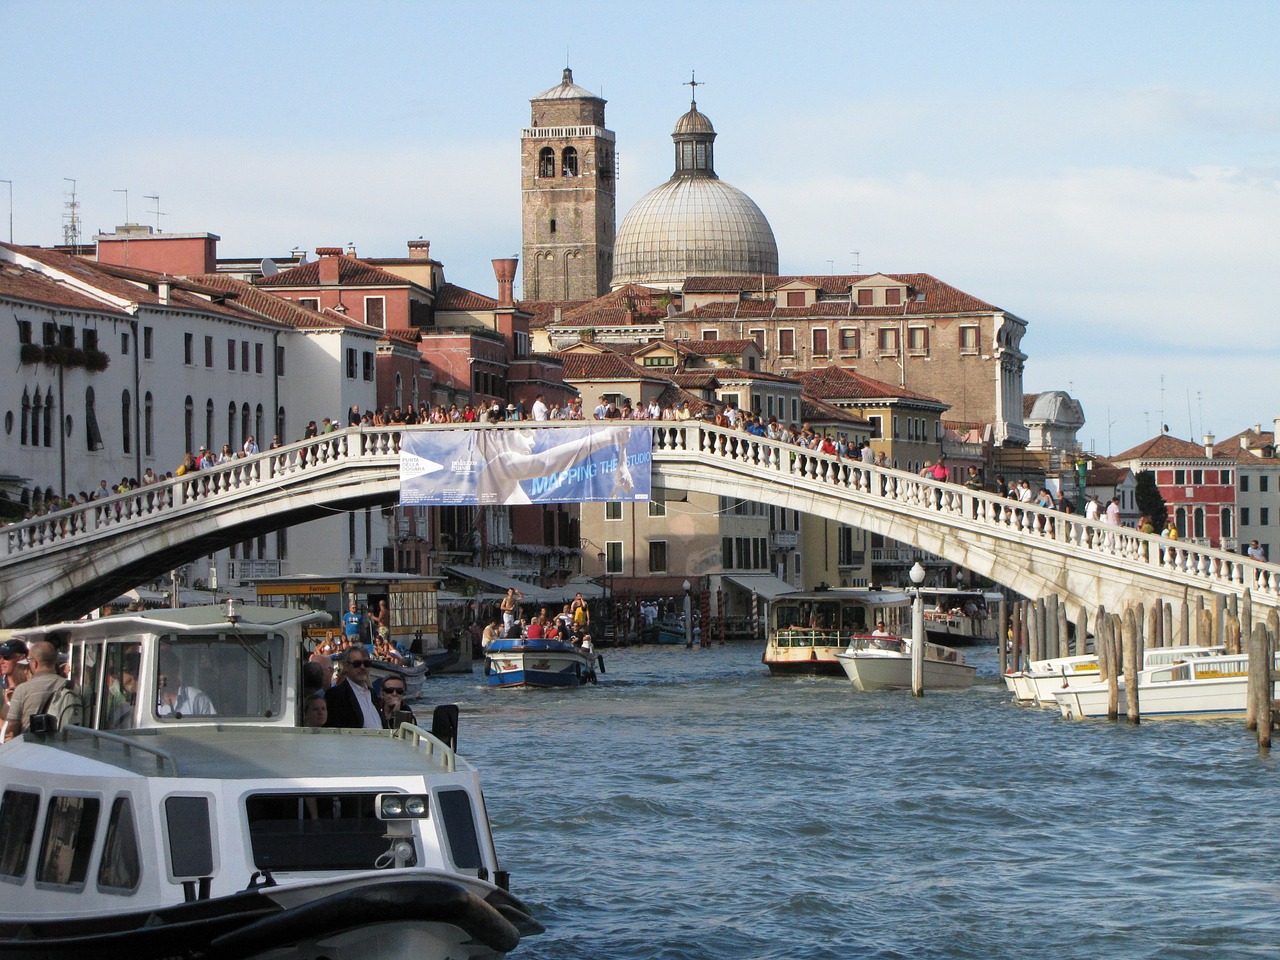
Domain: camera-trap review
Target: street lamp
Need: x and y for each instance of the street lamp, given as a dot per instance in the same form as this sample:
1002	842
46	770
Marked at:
917	631
688	616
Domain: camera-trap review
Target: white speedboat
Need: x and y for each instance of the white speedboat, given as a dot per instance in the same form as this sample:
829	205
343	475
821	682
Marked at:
1044	678
192	815
522	662
1204	686
884	663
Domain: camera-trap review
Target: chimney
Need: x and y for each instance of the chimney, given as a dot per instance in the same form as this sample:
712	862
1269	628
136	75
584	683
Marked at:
1208	446
505	271
1275	426
419	249
329	264
164	288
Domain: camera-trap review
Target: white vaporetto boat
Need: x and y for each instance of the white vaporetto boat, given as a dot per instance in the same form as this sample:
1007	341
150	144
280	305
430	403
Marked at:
1202	687
884	663
808	630
223	828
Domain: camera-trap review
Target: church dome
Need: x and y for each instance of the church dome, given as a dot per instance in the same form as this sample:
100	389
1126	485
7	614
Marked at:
695	224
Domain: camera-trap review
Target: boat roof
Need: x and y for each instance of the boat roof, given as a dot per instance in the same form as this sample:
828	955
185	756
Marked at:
846	594
354	580
182	620
962	592
247	753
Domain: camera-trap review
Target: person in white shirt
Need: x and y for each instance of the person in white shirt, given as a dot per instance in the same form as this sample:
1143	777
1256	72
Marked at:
1091	508
1256	552
250	446
1113	513
539	408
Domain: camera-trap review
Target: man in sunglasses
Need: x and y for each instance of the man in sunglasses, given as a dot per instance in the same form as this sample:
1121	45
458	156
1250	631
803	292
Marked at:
394	711
352	702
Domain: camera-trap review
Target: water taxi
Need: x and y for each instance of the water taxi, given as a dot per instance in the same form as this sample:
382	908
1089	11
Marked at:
956	617
190	813
884	663
807	630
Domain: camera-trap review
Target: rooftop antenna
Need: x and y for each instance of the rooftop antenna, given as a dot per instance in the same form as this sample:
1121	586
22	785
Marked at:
831	266
156	211
857	262
125	191
1110	423
1200	413
71	218
10	183
1162	414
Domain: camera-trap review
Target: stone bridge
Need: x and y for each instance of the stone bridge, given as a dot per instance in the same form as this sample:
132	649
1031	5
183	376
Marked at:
64	564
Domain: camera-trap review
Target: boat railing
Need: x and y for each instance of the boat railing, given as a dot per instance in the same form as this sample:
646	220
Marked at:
869	642
807	637
422	741
127	744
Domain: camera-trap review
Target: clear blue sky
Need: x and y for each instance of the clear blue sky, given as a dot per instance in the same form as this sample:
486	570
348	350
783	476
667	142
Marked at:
1107	171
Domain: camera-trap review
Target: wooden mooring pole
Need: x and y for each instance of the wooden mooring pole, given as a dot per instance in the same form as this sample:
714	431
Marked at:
1132	663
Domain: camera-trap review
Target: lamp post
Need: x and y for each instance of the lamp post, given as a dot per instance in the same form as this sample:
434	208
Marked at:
917	631
688	616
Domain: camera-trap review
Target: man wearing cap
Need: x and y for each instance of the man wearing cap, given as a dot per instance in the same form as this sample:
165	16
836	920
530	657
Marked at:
13	669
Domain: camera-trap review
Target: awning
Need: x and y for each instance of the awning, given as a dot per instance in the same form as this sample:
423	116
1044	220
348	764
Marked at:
532	594
766	585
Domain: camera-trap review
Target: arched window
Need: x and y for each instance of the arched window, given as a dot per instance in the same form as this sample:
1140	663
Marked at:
1180	521
36	409
546	162
208	424
189	424
148	426
244	426
569	162
92	435
257	428
1227	529
231	425
26	415
280	425
1198	518
399	401
126	417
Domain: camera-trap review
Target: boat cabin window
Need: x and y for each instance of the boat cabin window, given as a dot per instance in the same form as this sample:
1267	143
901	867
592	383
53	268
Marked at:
233	676
121	866
460	829
315	831
69	829
18	812
118	705
190	837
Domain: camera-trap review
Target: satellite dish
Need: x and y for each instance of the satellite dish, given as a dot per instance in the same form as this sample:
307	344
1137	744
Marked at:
268	267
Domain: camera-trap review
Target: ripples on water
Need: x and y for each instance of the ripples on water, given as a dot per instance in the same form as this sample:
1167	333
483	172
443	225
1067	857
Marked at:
692	806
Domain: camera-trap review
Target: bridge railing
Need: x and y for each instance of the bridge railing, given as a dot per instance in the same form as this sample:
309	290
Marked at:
758	457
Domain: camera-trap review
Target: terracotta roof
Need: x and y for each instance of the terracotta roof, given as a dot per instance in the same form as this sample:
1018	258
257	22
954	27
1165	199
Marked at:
840	383
1028	401
278	308
939	297
1163	447
714	348
737	373
1255	440
631	304
452	297
814	410
1107	475
602	366
543	312
696	379
674	395
23	283
351	273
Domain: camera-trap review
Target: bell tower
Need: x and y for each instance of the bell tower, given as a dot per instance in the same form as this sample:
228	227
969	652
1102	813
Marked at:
568	201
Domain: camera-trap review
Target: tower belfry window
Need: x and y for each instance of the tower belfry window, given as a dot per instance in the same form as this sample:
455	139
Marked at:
547	162
569	162
701	154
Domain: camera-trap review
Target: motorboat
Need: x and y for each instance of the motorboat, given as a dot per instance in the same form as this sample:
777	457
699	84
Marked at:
1200	687
884	663
412	669
1038	684
191	814
957	617
807	630
523	662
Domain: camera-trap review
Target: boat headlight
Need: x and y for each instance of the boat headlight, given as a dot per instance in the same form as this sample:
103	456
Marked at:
399	806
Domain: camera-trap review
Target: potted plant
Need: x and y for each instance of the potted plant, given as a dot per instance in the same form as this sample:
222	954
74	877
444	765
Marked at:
95	361
31	353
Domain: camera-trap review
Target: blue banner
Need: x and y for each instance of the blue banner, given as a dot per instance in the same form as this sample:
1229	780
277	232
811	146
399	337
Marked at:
514	466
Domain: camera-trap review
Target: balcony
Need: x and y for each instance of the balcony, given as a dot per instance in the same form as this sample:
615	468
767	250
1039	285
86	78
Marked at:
784	539
246	571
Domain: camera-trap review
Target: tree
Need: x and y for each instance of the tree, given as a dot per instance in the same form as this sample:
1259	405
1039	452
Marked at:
1150	502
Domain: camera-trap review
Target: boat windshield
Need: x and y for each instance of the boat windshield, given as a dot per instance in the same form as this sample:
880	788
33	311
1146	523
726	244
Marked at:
232	675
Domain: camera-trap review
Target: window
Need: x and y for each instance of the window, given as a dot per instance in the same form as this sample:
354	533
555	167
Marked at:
887	341
546	162
865	298
658	503
92	435
892	296
850	340
660	361
280	362
1264	516
877	426
657	556
1244	516
149	426
208	351
124	344
1179	477
1197	477
1197	517
552	226
121	867
613	556
244	355
367	365
795	298
460	828
314	831
188	348
189	424
231	354
710	336
1226	522
190	836
1224	478
918	341
24	331
968	340
18	812
311	303
820	342
729	398
147	342
375	311
257	358
69	828
726	553
1262	483
126	421
352	363
569	162
613	510
787	342
758	337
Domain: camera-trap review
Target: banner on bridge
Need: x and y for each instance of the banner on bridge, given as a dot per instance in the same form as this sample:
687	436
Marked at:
551	465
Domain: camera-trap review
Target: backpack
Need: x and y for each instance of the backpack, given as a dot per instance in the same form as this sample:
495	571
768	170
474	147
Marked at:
65	705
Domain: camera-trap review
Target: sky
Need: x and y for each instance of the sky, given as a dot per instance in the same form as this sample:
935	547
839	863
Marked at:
1107	171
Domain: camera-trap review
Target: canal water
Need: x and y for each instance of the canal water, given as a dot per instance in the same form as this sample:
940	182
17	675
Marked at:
692	806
